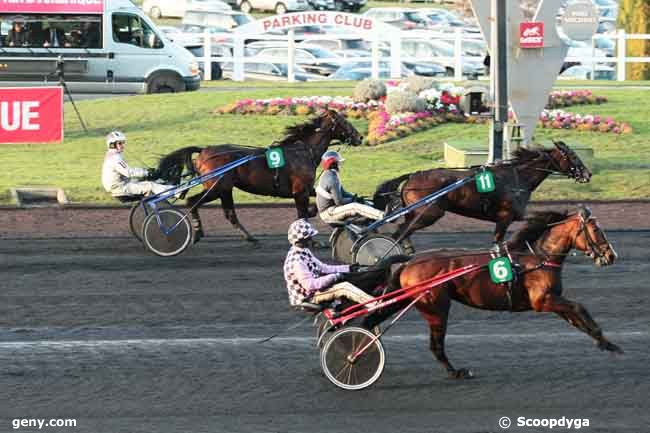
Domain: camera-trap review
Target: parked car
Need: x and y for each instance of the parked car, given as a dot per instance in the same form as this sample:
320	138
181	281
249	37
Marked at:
607	8
220	19
311	58
321	5
442	17
279	6
581	72
349	5
361	73
403	18
176	8
442	53
270	72
346	43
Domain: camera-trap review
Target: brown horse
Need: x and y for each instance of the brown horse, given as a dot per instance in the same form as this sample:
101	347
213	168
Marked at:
515	181
538	252
303	147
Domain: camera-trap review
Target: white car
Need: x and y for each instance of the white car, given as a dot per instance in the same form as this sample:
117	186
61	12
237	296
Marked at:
278	6
176	8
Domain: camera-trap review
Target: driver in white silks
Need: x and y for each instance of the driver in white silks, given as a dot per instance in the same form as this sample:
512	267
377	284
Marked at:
310	280
335	204
121	180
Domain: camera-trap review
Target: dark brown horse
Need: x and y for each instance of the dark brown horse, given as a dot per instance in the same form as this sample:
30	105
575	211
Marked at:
515	181
303	147
538	252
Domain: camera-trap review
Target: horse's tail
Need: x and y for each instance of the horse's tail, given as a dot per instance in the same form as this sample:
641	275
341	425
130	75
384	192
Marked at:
171	166
385	191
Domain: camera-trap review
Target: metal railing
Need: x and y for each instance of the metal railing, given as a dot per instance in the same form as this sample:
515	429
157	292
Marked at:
619	60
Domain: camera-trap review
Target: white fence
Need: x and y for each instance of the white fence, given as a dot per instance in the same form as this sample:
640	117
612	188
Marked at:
456	62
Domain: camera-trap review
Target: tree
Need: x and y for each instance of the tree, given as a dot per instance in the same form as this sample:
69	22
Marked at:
634	17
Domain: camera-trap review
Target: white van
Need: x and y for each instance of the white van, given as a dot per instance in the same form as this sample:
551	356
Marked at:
119	51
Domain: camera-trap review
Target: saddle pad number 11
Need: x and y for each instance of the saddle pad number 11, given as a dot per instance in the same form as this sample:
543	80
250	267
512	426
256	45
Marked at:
275	157
500	270
485	181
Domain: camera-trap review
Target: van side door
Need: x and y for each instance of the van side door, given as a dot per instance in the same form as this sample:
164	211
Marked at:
137	50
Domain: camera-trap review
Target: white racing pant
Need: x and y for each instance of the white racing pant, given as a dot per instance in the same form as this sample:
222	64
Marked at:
342	290
140	188
337	214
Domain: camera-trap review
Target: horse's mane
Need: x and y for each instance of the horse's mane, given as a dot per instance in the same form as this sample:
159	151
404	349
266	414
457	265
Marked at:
524	155
300	131
535	226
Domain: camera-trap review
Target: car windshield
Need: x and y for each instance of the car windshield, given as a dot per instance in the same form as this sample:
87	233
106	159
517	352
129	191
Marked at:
415	17
356	44
241	19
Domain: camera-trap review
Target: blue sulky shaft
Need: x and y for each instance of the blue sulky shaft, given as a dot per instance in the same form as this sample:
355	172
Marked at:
422	202
218	172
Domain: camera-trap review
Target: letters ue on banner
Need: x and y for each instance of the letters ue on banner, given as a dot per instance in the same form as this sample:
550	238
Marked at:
53	6
31	115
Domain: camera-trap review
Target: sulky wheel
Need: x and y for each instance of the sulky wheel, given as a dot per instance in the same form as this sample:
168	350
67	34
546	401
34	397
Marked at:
342	242
138	214
167	232
375	247
345	366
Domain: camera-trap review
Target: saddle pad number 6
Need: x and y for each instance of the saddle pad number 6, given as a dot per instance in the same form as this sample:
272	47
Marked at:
275	157
485	181
500	270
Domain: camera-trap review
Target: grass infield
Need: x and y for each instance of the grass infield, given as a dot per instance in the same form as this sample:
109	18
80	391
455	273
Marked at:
158	124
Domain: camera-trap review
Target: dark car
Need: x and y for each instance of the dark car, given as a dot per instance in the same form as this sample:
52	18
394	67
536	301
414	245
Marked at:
349	5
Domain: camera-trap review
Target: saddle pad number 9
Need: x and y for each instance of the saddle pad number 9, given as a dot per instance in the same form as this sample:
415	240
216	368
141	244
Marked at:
500	270
275	157
485	181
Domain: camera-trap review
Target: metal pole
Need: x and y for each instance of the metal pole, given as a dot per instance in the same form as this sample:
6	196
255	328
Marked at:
291	56
499	72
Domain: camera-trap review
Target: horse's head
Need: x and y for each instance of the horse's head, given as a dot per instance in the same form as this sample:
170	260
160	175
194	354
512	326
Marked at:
340	128
591	239
566	161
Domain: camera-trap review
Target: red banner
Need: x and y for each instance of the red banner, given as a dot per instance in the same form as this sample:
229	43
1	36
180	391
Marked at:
531	35
52	6
31	115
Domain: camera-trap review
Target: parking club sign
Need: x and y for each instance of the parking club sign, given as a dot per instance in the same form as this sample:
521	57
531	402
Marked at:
531	34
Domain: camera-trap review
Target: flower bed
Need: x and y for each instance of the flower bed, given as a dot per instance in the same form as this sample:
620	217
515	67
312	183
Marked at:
442	105
568	98
558	119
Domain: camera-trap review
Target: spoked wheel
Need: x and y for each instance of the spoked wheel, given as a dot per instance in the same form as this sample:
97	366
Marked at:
138	215
342	243
345	366
375	247
167	232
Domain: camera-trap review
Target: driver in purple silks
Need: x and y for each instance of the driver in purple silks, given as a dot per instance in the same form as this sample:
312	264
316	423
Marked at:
310	280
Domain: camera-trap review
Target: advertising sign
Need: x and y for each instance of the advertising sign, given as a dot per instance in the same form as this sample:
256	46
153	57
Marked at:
31	115
531	35
52	6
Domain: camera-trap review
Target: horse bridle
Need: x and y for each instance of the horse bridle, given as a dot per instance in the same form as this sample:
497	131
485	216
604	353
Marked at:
595	249
574	172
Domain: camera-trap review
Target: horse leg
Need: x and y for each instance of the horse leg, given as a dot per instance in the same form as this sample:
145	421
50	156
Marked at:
194	202
500	230
228	205
302	205
436	315
415	220
578	316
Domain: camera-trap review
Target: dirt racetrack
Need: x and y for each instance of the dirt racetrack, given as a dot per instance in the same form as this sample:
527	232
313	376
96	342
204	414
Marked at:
94	328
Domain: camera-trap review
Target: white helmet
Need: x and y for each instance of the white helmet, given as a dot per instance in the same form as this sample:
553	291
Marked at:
115	137
300	230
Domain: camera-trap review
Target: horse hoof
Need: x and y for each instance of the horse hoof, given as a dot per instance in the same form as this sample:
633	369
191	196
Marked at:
251	239
610	347
198	234
463	373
